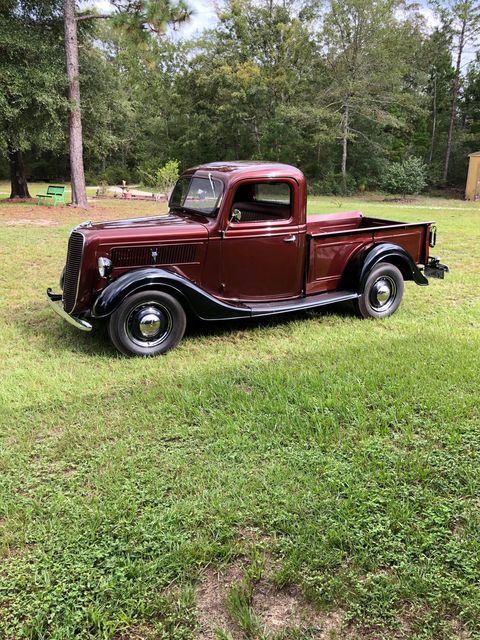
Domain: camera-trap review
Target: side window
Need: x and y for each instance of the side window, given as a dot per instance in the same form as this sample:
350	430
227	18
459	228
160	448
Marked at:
262	202
278	192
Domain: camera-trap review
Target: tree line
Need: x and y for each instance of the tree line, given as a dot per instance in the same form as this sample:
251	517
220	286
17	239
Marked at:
340	88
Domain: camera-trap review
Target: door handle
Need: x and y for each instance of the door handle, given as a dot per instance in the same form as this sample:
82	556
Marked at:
290	238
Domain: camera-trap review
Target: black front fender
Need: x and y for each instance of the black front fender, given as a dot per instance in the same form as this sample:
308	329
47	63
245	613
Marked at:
360	266
199	302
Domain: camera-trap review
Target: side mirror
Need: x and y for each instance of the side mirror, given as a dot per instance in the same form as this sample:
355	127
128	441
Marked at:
236	215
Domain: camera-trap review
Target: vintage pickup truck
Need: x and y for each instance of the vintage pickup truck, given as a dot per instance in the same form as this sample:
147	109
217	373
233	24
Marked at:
236	243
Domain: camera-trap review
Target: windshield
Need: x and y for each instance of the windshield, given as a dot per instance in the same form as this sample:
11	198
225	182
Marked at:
197	194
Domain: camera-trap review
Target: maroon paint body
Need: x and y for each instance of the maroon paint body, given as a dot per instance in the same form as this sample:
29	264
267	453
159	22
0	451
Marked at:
256	261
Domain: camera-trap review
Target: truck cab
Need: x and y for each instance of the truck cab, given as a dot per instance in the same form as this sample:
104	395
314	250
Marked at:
256	222
236	243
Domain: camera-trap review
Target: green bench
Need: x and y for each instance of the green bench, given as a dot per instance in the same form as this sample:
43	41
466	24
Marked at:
55	195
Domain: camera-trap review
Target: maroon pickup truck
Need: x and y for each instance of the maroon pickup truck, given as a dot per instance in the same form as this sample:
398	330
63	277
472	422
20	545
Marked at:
236	243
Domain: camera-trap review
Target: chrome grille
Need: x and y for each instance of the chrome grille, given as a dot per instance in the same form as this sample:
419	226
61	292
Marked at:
165	254
72	271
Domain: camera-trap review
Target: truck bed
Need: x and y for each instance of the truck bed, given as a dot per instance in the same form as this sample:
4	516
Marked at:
334	239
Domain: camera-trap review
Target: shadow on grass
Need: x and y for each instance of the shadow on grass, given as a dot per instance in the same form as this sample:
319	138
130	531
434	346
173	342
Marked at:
199	328
58	336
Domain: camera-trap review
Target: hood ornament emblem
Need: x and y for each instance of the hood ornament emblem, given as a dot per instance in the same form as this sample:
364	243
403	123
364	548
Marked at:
83	225
154	255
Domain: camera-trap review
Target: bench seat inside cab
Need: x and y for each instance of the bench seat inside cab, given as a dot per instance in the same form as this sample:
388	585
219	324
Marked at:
262	211
259	209
326	223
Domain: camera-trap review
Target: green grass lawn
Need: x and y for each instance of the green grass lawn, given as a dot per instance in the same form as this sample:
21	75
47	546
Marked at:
317	460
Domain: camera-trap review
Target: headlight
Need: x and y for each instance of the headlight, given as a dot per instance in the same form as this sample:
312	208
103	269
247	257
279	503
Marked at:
104	266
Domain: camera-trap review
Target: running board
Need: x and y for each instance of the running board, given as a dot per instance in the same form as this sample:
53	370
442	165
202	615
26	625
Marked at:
299	304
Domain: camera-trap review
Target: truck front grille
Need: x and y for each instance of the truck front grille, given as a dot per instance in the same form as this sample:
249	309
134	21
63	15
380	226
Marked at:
72	270
164	254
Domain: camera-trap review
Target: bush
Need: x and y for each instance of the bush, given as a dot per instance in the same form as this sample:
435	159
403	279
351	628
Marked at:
112	175
161	178
406	178
332	185
93	178
115	173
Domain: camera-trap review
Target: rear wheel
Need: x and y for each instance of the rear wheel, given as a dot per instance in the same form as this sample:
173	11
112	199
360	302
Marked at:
382	293
147	323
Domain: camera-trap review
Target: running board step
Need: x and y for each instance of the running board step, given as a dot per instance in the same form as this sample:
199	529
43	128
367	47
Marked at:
299	304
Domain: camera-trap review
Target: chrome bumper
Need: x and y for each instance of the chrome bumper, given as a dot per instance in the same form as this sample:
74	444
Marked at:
55	300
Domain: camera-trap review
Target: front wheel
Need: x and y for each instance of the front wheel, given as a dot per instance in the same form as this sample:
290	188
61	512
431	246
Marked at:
147	323
382	293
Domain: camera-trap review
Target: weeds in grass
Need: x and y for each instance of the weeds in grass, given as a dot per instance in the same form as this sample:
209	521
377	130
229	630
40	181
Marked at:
354	447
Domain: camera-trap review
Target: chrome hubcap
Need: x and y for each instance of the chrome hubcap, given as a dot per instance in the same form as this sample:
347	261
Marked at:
149	324
383	293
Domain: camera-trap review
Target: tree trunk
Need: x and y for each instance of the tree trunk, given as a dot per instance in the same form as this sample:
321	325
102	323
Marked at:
434	118
79	192
345	129
257	137
19	187
453	109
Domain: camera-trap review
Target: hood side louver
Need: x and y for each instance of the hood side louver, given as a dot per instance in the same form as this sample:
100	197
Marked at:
147	256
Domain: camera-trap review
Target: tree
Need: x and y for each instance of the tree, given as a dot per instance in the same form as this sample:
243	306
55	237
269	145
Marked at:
109	107
32	103
247	81
368	45
77	175
338	89
462	20
440	75
139	18
471	105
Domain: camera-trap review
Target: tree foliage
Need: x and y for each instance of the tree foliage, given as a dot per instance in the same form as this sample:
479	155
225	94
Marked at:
162	178
33	107
340	89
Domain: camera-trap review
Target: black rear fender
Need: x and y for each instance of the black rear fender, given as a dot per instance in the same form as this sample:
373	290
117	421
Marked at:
360	265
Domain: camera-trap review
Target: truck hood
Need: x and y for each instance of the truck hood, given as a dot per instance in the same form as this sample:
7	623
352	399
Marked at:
154	228
174	241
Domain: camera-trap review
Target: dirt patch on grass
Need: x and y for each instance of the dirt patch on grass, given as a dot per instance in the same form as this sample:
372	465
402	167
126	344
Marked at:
23	214
19	200
287	609
271	609
404	200
38	222
211	594
458	630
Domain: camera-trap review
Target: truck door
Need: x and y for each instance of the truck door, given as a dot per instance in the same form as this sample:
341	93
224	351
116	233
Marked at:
263	244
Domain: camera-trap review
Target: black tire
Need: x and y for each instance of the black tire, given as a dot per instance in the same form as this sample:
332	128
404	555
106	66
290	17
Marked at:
148	323
382	293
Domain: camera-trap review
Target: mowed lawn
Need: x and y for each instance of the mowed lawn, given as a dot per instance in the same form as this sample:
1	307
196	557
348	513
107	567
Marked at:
313	476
